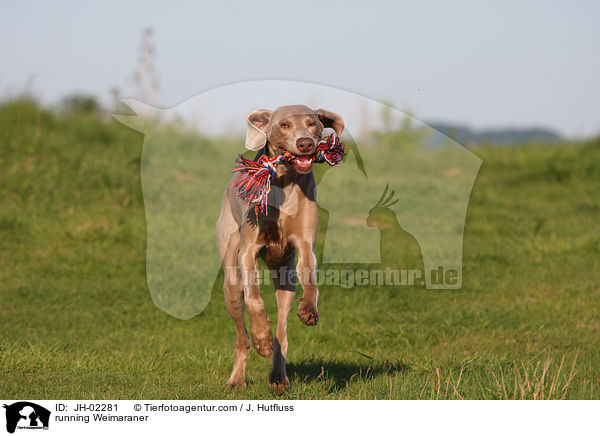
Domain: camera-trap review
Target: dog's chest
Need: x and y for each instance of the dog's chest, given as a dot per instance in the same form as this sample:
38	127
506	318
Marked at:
277	227
276	246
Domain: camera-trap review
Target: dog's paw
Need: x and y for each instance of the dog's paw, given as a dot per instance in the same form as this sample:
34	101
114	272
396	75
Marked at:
236	383
263	342
278	387
307	312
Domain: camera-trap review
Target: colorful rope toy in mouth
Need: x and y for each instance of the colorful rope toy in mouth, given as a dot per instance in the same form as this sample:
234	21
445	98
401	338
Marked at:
254	182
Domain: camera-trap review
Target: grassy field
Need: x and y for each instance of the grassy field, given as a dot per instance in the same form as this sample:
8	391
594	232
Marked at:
77	320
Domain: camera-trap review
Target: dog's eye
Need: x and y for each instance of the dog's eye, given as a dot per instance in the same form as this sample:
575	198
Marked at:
312	124
284	125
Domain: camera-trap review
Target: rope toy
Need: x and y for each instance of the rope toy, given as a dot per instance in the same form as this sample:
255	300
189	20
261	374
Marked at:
254	182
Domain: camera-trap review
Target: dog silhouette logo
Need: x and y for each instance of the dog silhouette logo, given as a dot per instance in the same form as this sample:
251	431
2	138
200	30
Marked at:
26	415
183	181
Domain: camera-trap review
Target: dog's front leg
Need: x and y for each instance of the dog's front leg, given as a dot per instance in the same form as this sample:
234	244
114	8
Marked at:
260	324
307	274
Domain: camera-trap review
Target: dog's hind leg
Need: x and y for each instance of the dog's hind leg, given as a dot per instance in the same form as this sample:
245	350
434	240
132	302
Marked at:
234	300
235	306
278	380
284	281
228	240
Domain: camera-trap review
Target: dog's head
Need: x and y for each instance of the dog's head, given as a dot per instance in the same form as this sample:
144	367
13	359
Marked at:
296	129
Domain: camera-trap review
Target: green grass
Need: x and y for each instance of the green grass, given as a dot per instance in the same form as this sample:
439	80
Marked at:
77	320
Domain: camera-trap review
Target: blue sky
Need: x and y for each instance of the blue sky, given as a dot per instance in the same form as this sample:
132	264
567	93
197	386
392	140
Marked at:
486	64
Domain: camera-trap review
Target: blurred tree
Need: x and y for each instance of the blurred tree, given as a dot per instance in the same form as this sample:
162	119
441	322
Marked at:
80	104
115	97
145	79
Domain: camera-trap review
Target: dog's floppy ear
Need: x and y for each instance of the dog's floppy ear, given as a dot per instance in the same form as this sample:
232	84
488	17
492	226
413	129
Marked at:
331	119
256	138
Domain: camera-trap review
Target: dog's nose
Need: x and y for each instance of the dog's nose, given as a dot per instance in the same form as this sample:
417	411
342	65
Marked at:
305	144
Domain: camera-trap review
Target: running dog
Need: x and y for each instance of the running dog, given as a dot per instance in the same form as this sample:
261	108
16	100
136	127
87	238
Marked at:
285	231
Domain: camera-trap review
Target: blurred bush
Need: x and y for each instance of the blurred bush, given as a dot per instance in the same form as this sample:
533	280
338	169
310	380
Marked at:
80	104
399	133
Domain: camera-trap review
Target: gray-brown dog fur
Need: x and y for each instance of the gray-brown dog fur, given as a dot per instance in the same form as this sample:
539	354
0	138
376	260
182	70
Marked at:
288	231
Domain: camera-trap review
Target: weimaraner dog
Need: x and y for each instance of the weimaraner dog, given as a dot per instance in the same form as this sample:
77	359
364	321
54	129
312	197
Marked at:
286	230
